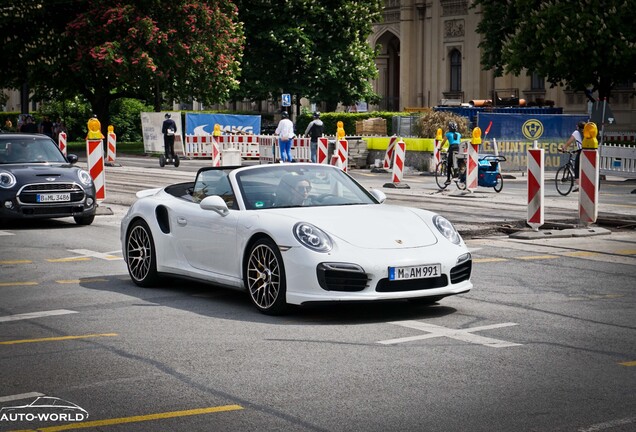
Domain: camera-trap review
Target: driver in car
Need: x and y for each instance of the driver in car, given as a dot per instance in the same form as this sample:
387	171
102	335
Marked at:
293	190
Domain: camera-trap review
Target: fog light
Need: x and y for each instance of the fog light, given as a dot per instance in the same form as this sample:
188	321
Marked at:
89	201
8	204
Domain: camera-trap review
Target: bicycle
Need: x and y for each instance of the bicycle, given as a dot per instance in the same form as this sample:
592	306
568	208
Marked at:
441	171
565	176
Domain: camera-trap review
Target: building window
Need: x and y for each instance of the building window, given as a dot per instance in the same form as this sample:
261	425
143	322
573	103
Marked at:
537	82
454	7
455	71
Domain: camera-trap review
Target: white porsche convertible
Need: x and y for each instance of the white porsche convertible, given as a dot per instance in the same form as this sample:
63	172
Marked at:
291	234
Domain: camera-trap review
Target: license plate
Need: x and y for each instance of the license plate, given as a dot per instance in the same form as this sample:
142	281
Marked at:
53	197
415	272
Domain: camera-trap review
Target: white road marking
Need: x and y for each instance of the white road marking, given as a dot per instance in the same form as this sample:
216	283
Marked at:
609	425
33	315
5	233
93	254
465	335
20	396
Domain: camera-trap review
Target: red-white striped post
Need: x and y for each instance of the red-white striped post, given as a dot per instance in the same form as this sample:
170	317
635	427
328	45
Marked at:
322	153
342	154
216	152
61	142
536	172
472	162
398	167
111	145
95	155
388	156
589	175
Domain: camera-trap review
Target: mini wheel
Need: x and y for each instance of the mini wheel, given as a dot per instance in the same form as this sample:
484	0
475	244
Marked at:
162	161
176	161
499	185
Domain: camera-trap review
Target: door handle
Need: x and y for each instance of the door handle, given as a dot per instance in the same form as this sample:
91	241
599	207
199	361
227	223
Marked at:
182	221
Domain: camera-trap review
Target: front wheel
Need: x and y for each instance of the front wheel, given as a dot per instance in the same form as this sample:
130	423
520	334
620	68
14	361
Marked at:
141	258
264	278
564	180
441	171
499	185
84	220
176	161
162	161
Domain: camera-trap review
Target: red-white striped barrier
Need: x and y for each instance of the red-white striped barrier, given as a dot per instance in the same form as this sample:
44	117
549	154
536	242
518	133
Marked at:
61	142
95	153
472	167
322	153
588	186
388	156
342	154
301	150
437	154
198	146
536	173
267	149
216	153
398	163
111	148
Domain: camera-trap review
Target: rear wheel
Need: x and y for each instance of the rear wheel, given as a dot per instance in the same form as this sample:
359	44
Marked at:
499	185
564	180
441	171
162	161
265	278
176	161
141	258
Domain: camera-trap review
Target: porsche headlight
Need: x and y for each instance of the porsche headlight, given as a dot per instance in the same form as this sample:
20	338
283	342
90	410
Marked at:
447	229
7	180
312	237
84	177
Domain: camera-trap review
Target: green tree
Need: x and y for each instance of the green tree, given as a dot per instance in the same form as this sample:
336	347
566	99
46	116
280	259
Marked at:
109	49
309	48
576	44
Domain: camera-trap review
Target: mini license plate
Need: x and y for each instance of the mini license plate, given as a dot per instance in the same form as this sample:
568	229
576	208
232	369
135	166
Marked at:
53	197
415	272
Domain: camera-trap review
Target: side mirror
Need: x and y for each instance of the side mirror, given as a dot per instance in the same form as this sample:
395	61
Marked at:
216	204
71	159
378	195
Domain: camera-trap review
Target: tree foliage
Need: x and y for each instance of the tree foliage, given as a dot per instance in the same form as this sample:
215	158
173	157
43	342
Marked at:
311	48
580	44
106	50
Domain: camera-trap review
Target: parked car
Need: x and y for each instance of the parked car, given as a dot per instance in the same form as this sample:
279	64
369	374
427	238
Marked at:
38	181
292	234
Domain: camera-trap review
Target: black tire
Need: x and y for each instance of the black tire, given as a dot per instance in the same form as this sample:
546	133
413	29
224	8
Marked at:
499	185
141	258
461	182
84	220
564	180
162	161
176	161
441	175
264	278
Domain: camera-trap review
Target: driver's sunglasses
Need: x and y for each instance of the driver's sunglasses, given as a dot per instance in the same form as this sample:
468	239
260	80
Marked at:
302	188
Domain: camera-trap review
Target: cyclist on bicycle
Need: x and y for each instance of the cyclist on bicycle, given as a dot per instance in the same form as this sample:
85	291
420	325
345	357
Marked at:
576	139
453	137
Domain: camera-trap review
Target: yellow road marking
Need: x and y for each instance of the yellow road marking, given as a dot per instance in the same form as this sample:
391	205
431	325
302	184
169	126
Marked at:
15	262
488	260
626	252
581	254
59	338
629	363
70	259
141	418
7	284
536	257
75	281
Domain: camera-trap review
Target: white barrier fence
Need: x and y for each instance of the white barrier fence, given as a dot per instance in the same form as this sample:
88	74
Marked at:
618	160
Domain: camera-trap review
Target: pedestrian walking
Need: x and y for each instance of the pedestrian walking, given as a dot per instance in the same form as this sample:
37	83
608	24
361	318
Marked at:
285	132
314	130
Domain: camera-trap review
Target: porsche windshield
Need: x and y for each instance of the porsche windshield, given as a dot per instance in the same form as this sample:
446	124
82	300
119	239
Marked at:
19	150
284	186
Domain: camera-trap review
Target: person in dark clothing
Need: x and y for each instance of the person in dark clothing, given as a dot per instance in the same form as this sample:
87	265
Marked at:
169	129
453	138
29	126
314	130
46	127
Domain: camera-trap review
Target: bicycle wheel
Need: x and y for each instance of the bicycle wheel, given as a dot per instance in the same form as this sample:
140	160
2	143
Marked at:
564	180
499	185
440	175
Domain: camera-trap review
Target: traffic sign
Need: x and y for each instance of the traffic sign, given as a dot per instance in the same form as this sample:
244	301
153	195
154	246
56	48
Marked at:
286	99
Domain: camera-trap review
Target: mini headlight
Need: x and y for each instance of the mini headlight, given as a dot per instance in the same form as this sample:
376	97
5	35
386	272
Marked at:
447	229
84	177
7	180
312	237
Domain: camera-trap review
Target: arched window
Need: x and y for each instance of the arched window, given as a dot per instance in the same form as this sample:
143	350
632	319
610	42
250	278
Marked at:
455	71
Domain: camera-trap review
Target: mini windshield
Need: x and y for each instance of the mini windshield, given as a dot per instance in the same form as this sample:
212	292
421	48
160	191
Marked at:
29	149
284	186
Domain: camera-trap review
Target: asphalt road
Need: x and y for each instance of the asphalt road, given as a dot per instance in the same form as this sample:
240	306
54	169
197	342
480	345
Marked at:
546	340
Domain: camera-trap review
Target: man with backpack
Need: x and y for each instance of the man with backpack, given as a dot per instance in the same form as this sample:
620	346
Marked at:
314	130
